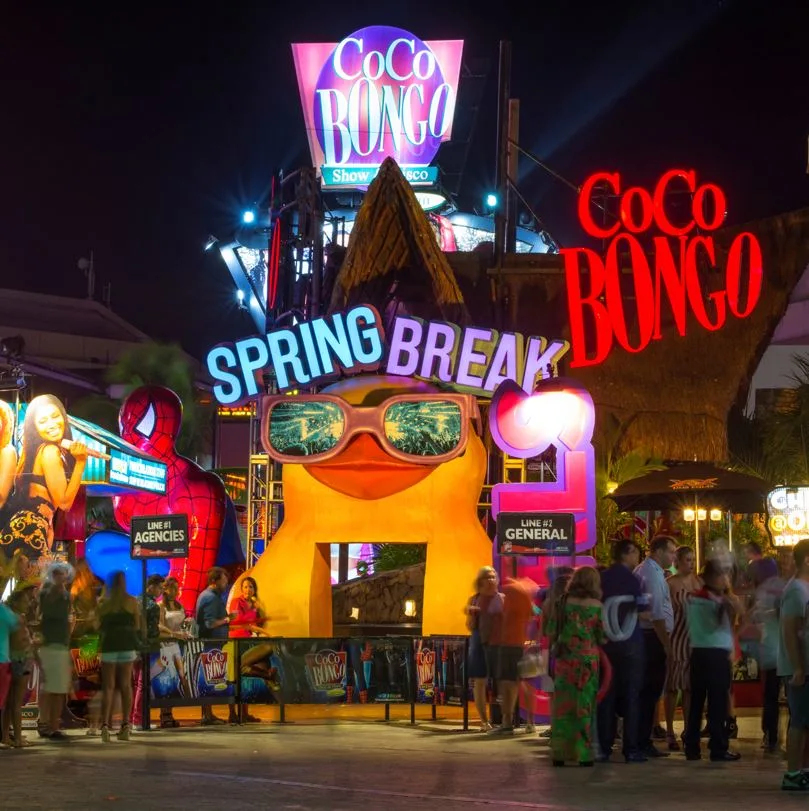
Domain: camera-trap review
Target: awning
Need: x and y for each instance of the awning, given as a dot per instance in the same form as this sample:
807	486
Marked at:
125	470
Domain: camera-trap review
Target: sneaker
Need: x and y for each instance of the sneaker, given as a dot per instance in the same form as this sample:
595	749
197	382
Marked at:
485	726
123	733
545	733
732	728
795	782
501	731
105	734
58	736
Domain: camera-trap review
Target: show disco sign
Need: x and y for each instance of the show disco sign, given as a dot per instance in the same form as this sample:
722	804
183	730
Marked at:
380	92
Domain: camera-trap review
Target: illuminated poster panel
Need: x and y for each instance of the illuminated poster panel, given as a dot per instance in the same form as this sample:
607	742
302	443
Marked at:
788	515
380	92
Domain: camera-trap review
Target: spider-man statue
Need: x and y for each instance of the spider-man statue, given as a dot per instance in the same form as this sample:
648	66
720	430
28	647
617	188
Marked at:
150	419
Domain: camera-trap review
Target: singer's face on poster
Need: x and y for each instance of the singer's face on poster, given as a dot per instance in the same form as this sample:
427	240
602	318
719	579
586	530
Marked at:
50	423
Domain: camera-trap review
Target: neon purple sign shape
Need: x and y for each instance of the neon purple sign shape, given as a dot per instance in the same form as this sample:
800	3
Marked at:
379	92
559	414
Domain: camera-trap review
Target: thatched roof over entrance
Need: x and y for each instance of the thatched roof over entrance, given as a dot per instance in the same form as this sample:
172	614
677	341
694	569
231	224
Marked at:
393	256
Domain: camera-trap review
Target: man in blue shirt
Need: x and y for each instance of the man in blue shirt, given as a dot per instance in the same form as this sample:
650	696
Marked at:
212	622
657	630
793	665
622	594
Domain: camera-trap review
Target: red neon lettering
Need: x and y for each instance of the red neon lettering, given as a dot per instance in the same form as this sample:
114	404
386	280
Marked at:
694	287
676	276
644	293
627	210
668	275
576	303
755	274
719	206
613	181
662	220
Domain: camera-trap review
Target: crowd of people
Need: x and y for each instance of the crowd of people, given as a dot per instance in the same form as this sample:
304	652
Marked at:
620	641
43	617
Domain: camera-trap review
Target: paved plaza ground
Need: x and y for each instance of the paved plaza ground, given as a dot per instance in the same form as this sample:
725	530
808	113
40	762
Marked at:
345	765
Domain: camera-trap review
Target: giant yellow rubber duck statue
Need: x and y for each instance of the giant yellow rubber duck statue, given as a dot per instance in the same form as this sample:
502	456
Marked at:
374	459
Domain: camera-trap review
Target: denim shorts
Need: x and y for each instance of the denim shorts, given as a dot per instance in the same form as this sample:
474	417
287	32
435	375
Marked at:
119	657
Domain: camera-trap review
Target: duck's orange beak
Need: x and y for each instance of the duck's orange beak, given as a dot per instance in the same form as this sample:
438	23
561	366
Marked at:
364	470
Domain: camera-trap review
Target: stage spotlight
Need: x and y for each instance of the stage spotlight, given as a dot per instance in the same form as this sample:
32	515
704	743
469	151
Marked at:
249	217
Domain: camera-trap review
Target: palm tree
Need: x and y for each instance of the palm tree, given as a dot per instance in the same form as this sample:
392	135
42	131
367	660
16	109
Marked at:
775	444
154	364
613	469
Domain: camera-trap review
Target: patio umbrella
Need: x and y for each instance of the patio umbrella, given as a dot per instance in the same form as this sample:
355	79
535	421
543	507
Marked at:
682	486
694	485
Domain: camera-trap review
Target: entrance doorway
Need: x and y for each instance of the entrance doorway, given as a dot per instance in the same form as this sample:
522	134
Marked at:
381	590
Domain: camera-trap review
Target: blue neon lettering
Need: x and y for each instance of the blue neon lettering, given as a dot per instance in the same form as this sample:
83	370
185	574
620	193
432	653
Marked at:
230	389
253	356
282	358
368	336
331	340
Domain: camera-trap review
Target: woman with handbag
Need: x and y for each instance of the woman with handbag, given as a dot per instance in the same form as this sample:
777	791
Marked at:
576	630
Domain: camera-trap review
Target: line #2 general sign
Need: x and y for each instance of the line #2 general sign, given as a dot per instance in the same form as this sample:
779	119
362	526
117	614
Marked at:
542	534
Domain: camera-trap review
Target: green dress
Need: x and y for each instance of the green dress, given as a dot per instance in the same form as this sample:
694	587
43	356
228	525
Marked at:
580	632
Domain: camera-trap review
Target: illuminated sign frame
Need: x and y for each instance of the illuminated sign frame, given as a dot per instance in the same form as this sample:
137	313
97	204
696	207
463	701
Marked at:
679	251
788	515
380	92
473	360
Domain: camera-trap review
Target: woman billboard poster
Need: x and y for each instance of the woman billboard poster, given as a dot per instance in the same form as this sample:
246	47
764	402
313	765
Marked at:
8	455
48	478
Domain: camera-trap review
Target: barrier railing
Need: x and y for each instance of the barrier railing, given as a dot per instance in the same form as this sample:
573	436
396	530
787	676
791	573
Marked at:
346	671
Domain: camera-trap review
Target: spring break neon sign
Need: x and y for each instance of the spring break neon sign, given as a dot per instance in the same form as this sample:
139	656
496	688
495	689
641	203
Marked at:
674	272
474	359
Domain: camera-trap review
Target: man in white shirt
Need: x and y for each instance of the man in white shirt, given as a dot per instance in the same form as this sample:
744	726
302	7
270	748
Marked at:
656	634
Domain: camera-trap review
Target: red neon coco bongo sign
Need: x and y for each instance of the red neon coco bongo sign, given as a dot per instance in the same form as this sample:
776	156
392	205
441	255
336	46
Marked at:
672	271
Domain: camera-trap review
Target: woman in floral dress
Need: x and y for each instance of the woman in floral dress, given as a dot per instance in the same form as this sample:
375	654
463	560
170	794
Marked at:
576	630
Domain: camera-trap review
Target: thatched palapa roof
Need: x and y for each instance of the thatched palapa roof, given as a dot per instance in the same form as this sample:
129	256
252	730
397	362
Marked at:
393	254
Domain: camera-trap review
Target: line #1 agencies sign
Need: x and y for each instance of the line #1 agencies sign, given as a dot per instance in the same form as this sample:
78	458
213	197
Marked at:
542	534
159	536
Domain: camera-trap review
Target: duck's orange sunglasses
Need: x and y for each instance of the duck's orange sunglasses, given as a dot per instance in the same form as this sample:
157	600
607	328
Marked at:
419	428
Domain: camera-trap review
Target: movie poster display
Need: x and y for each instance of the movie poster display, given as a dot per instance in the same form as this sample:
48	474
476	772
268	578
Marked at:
327	671
30	701
86	659
441	671
190	672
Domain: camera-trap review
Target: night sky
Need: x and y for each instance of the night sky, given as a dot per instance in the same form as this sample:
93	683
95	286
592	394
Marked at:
135	133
